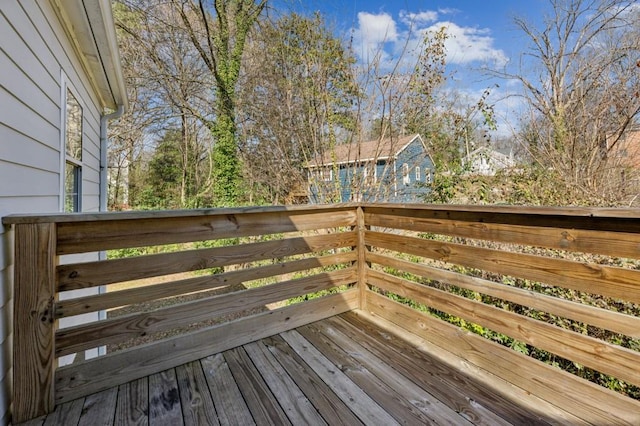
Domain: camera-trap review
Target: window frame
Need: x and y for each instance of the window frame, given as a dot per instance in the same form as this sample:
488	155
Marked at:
406	178
67	159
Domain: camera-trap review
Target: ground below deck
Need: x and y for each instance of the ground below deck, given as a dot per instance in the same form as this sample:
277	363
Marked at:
343	370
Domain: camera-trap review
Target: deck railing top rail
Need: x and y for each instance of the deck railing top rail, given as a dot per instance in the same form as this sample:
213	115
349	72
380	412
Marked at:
524	211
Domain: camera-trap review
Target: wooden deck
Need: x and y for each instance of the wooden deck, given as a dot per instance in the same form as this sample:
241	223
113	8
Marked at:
341	370
389	341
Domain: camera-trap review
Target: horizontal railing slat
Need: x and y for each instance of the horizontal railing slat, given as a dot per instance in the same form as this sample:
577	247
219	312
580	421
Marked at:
115	330
82	237
587	218
593	403
614	282
591	352
114	369
602	318
81	305
91	274
618	244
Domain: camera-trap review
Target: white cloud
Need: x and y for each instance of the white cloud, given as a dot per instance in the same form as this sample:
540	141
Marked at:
380	36
411	19
448	11
469	44
373	32
376	29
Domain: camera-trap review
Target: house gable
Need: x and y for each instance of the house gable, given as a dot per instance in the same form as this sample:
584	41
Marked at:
486	161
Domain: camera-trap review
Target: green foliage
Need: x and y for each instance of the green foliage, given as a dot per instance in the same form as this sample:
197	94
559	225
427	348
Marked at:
165	173
296	100
226	171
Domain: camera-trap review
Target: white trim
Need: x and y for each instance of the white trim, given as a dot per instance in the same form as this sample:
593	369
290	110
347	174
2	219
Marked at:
63	134
91	29
66	85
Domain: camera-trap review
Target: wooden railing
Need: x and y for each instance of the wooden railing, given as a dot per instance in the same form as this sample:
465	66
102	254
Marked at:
496	271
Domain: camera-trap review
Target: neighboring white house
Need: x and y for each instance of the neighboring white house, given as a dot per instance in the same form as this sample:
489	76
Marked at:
60	83
486	161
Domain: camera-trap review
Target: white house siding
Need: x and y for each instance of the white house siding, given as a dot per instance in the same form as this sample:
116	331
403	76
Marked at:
36	57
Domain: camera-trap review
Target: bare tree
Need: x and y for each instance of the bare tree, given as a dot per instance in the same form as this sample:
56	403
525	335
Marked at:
172	83
581	84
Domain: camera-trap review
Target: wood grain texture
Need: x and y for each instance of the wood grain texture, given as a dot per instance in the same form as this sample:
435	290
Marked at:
361	250
618	283
33	324
418	403
295	404
554	388
589	351
619	244
332	409
195	398
603	318
99	408
82	237
164	399
91	274
114	369
360	403
132	406
80	305
365	374
466	396
263	405
170	214
65	414
230	406
588	218
119	329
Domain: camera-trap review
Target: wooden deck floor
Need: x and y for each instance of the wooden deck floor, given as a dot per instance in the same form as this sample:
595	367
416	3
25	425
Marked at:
343	370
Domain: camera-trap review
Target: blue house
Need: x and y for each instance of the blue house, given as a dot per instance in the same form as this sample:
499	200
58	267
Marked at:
395	170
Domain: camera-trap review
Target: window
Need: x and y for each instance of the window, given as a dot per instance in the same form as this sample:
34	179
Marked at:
418	174
427	176
405	174
71	188
369	174
73	154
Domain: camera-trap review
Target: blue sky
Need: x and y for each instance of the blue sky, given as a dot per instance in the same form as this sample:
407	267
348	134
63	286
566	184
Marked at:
482	34
481	28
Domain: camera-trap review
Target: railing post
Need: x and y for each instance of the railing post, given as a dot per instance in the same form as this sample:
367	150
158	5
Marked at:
33	320
362	257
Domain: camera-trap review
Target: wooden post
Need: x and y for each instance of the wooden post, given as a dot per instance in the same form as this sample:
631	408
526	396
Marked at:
33	320
362	258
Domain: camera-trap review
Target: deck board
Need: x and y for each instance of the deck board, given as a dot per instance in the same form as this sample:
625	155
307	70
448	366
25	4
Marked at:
360	372
465	394
99	408
197	405
164	399
132	405
229	403
347	369
263	404
298	408
431	408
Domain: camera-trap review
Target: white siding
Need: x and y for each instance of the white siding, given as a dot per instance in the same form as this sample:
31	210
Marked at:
35	54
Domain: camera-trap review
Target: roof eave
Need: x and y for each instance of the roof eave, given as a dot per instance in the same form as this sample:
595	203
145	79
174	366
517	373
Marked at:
91	28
